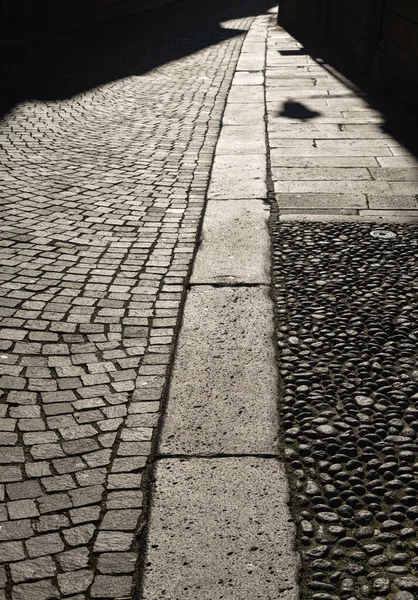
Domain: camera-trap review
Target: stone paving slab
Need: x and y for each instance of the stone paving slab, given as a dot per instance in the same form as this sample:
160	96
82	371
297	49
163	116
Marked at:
220	535
310	162
248	78
318	200
236	177
322	174
246	139
243	114
246	94
222	399
235	245
248	62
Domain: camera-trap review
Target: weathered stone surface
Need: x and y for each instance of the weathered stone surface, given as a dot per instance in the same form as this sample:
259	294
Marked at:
11	551
222	399
224	530
38	568
237	177
241	94
243	114
108	586
235	243
301	201
76	581
242	140
117	562
36	590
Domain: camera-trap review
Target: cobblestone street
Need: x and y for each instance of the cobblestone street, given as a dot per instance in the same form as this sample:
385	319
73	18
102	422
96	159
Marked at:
208	362
102	195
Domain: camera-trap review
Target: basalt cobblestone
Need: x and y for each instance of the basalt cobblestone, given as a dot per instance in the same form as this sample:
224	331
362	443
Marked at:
101	205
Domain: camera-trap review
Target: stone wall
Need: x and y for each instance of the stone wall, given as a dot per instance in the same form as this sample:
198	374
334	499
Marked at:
378	37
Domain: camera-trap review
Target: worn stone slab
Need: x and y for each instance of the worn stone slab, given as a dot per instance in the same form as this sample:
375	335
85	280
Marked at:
253	48
363	114
290	83
249	139
323	131
327	119
246	94
248	78
223	397
238	177
285	142
220	528
235	245
320	174
365	143
243	114
248	62
296	129
333	187
396	174
375	217
404	187
398	161
379	201
397	150
306	150
310	162
390	213
325	201
286	73
276	106
321	211
283	95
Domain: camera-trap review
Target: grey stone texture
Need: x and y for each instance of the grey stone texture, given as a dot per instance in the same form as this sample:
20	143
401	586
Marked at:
329	150
244	139
103	189
221	534
223	398
243	114
236	177
235	245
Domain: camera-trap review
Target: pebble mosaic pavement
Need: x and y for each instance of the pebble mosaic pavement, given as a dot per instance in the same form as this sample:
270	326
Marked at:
101	206
347	314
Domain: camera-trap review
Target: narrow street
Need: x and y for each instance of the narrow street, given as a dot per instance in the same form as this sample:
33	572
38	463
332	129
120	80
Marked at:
208	343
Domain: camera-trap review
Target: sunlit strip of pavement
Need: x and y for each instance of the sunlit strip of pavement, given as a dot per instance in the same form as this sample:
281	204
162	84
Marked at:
219	524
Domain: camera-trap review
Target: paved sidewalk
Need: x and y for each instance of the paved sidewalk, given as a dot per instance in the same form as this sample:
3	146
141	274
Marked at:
220	525
108	152
221	423
104	182
331	151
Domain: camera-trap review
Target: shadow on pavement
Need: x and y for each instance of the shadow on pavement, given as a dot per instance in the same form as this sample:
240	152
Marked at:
400	118
298	111
70	63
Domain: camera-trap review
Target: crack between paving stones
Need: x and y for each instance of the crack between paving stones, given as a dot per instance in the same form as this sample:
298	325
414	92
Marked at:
216	455
227	285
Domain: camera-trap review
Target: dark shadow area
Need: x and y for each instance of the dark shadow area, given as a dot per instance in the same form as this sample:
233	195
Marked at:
400	117
292	52
70	63
297	111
